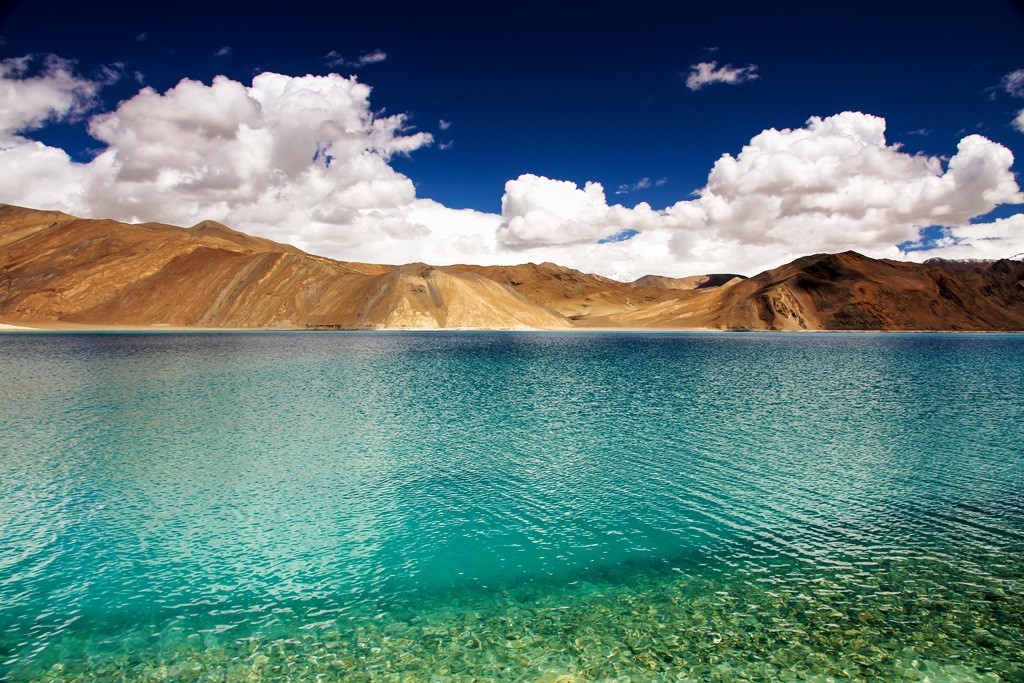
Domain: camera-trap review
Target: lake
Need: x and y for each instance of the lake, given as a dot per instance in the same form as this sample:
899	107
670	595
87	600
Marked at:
511	506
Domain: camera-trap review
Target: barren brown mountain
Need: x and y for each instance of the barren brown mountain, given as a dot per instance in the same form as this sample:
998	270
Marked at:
58	270
691	282
849	291
1010	271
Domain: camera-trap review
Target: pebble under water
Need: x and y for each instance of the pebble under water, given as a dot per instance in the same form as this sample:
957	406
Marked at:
511	506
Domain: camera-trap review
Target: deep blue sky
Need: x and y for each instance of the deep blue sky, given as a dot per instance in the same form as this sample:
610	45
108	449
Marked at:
573	91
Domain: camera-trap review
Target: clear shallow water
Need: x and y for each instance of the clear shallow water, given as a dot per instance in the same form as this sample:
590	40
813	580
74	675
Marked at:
238	507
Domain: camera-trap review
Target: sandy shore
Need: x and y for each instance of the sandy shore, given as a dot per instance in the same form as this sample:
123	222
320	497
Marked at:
83	327
58	327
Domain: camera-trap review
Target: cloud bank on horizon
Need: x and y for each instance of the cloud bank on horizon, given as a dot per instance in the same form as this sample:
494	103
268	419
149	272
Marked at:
305	160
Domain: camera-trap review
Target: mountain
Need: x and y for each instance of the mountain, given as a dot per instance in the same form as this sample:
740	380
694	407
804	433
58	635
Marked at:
576	295
59	270
56	268
849	291
687	283
846	291
420	296
1010	271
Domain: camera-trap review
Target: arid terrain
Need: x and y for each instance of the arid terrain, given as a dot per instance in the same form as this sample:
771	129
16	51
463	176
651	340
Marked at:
58	270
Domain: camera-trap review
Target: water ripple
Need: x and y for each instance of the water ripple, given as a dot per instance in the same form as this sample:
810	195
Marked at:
512	506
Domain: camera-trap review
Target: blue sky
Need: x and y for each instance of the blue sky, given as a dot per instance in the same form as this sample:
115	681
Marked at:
566	90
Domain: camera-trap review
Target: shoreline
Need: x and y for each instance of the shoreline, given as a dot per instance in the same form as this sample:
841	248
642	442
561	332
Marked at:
85	328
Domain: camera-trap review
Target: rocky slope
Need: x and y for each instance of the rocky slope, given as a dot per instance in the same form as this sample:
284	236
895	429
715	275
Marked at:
58	270
688	283
1010	271
576	295
848	291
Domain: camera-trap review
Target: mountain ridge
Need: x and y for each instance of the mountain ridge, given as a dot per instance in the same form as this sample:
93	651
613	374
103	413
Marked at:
58	270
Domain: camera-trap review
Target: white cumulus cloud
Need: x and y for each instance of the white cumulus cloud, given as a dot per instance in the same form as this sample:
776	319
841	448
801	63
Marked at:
706	73
302	160
1001	238
832	185
538	211
37	90
306	160
836	183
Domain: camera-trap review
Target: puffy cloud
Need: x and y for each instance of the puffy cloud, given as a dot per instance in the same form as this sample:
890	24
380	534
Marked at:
1001	238
832	185
36	90
305	160
706	73
39	176
1018	122
837	184
538	211
223	52
302	160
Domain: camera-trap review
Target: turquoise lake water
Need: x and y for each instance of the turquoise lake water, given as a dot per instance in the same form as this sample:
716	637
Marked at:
487	506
